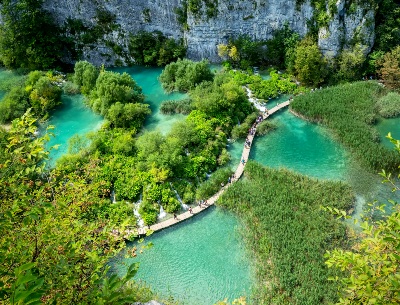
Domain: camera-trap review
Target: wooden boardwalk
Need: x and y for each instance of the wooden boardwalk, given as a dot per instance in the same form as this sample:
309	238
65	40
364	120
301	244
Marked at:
210	201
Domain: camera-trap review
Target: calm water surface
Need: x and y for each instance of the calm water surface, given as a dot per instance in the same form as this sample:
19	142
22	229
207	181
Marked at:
199	261
147	78
71	118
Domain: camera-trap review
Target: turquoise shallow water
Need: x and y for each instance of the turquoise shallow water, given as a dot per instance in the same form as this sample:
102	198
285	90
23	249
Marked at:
389	125
198	262
147	78
310	150
297	145
73	117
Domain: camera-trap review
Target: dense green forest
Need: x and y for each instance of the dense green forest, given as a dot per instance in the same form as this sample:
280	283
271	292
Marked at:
58	226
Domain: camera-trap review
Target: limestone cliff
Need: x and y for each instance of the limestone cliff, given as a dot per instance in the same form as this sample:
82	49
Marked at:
256	18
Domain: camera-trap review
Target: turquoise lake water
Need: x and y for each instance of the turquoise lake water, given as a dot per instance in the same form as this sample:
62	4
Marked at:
385	126
71	118
147	78
203	260
310	150
198	262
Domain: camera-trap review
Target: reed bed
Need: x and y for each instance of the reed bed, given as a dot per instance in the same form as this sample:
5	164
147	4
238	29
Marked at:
288	233
350	112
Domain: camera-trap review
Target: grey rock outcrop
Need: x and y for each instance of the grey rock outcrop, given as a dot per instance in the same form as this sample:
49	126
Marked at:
256	18
345	27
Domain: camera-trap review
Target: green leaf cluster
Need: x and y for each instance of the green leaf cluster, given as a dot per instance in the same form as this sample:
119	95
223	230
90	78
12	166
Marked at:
115	96
58	228
154	49
267	89
40	91
184	75
29	37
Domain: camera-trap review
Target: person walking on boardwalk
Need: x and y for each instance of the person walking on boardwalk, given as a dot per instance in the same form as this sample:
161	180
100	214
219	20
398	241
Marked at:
190	210
243	161
175	217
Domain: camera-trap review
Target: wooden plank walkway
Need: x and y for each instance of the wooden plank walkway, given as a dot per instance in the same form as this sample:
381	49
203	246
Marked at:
210	201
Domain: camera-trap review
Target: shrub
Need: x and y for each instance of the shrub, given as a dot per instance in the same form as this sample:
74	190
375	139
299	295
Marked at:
154	49
180	106
184	75
389	105
149	211
213	184
264	127
14	104
242	130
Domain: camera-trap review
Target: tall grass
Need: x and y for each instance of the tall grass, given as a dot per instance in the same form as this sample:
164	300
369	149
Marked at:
288	233
350	111
176	106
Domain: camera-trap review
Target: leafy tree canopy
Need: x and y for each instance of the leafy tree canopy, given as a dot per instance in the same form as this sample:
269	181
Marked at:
29	38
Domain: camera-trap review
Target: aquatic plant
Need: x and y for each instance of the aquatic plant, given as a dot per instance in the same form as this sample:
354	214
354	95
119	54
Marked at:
349	111
288	233
264	127
180	106
389	105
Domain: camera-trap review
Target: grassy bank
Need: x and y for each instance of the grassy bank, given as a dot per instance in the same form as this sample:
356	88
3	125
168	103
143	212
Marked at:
288	233
350	112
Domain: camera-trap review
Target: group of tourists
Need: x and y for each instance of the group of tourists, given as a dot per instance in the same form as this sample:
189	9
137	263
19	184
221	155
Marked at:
247	143
202	202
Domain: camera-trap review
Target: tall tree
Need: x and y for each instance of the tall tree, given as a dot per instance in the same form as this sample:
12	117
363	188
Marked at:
310	65
390	68
29	38
56	228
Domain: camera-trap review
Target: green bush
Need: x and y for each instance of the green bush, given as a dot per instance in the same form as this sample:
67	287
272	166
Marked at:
213	184
180	106
149	212
154	49
184	75
242	130
14	104
85	76
264	127
389	105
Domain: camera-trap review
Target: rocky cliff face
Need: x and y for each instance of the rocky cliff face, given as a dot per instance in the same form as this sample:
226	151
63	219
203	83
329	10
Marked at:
256	18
